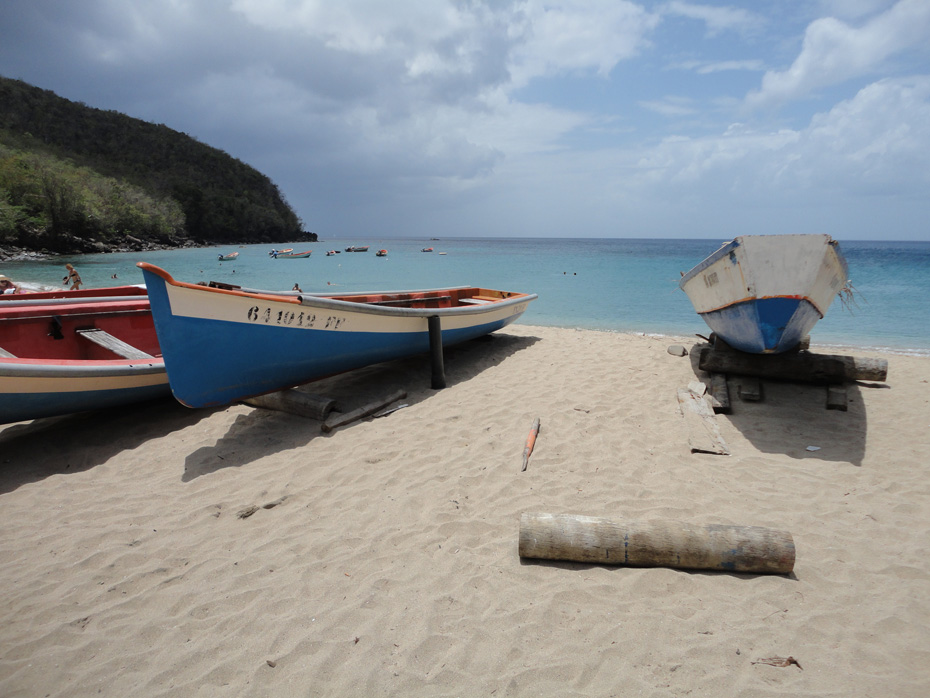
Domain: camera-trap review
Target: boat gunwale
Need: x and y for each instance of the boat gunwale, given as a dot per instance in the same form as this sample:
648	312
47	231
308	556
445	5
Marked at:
325	301
20	367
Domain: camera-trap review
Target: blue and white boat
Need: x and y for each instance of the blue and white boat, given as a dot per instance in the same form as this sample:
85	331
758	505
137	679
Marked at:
223	344
763	293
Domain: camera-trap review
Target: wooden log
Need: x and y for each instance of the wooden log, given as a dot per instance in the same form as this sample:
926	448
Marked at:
836	398
802	366
438	381
664	543
295	402
361	412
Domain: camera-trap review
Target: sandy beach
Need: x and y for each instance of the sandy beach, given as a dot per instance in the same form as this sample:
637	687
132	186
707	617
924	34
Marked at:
386	561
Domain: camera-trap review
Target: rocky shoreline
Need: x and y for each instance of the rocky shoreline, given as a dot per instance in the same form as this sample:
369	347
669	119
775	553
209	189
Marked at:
12	253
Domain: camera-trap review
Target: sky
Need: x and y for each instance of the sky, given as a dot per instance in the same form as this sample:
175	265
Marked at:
525	118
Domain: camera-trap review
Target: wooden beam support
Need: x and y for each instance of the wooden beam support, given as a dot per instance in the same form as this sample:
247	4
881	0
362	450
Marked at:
801	366
295	402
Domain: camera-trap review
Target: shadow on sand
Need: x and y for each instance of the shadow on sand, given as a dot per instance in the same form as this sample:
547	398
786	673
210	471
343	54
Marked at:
261	433
792	416
33	451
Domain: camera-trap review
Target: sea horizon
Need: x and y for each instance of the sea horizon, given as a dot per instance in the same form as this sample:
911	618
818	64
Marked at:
604	284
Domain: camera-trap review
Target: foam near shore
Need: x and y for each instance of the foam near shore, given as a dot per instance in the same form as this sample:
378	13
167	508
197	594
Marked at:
381	559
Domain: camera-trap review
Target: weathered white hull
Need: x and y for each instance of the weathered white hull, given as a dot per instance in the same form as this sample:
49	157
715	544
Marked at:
762	293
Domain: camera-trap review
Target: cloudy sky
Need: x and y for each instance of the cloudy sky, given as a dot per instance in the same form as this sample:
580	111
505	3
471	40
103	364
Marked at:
582	118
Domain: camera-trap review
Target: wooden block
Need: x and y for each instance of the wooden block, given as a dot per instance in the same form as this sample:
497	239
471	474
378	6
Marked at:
836	397
750	389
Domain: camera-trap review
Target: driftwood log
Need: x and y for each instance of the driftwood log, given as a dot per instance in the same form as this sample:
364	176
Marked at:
296	402
362	412
801	366
665	543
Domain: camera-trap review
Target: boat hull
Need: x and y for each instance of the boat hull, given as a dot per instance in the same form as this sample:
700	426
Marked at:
35	390
762	294
221	346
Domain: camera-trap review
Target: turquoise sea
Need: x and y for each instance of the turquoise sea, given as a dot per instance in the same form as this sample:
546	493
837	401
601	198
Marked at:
622	285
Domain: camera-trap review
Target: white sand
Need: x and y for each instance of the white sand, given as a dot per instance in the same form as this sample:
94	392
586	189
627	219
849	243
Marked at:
391	568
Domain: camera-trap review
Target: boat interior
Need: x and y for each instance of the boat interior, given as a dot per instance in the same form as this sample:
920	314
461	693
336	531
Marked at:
79	332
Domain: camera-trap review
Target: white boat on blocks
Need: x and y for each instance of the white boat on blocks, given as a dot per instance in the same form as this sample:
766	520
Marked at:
763	293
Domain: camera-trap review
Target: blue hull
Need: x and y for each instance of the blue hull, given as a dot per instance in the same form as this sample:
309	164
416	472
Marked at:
764	326
214	362
37	405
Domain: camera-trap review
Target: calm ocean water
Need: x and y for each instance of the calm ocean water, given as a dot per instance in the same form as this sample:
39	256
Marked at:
616	285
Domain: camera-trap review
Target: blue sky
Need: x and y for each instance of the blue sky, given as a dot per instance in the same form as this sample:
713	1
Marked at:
577	118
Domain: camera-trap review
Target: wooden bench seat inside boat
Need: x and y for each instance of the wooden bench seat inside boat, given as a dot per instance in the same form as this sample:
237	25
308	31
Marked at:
408	301
114	344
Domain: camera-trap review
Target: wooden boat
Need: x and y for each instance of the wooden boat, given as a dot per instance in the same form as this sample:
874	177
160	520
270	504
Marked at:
293	255
331	253
228	257
381	253
427	249
88	350
357	248
762	293
227	344
275	253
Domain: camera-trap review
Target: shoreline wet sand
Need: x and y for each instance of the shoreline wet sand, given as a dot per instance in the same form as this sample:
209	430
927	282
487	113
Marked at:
386	560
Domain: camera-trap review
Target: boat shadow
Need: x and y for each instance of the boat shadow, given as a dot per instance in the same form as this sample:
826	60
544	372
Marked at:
792	419
33	451
260	432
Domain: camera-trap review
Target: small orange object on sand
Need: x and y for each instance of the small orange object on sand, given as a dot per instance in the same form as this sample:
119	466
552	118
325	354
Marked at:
530	442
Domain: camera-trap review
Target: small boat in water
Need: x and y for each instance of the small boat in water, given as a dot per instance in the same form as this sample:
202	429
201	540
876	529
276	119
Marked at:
763	293
275	253
381	253
357	248
227	344
76	351
427	249
331	253
228	257
293	255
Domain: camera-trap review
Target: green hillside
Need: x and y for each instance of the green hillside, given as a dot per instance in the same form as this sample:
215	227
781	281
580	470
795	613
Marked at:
78	179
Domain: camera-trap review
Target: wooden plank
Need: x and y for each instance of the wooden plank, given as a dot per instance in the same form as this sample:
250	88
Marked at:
720	394
117	346
836	397
660	543
703	430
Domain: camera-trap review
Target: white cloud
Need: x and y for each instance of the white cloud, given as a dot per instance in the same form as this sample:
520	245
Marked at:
716	19
834	52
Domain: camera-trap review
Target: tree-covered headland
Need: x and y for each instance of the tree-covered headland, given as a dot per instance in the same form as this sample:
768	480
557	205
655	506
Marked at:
78	179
